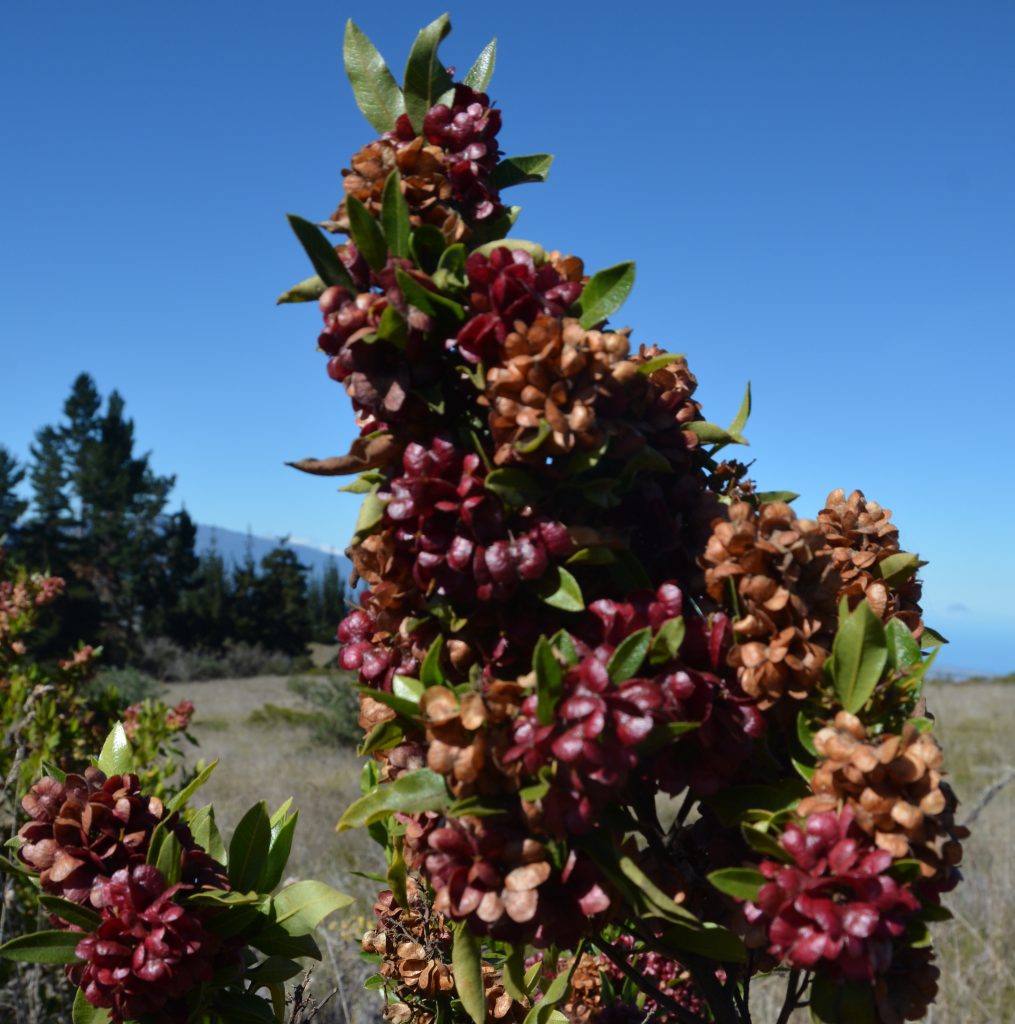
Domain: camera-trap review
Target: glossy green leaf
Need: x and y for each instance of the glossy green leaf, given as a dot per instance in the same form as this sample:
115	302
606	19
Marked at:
383	736
406	708
302	906
556	993
366	233
629	655
563	644
377	93
274	940
592	556
859	656
712	433
903	650
764	843
425	77
896	569
513	486
84	1013
395	215
371	513
659	904
430	672
559	589
181	799
397	875
243	1007
74	913
707	940
206	833
766	497
513	974
411	793
931	637
520	170
549	680
310	289
605	293
277	992
660	362
248	848
116	757
479	75
743	413
393	328
271	971
668	641
740	883
467	963
532	442
426	246
321	253
805	735
48	947
168	861
444	309
729	805
279	848
407	688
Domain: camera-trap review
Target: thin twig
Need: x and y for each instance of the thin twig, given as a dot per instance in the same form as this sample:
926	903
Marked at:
1000	783
792	995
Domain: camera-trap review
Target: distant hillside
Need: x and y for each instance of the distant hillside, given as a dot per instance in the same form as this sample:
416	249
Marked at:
232	546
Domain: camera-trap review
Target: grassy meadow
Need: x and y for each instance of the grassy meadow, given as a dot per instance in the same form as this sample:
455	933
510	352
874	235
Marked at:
272	756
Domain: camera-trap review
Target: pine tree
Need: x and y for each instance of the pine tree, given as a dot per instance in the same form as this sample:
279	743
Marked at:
282	601
12	505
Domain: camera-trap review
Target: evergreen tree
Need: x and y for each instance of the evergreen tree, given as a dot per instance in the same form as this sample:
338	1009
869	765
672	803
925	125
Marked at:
326	598
12	506
282	601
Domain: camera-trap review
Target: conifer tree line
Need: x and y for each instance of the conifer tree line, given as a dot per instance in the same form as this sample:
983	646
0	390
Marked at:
86	506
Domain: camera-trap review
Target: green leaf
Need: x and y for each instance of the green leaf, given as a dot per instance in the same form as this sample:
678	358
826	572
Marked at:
411	793
931	637
310	289
302	906
392	328
248	849
555	994
805	735
660	362
243	1007
559	589
271	971
206	833
445	310
396	877
896	569
743	414
168	861
663	734
563	644
479	75
629	655
513	486
531	444
467	963
729	805
660	904
321	253
376	91
513	974
366	233
276	941
668	641
903	650
406	708
859	655
371	513
84	1013
761	842
75	913
277	992
116	757
605	293
180	800
395	215
451	268
740	883
712	433
520	170
279	847
549	680
426	246
592	556
383	736
534	249
706	940
425	76
48	947
430	672
407	688
833	1003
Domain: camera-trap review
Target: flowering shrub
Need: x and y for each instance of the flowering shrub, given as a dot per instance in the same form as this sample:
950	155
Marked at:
636	731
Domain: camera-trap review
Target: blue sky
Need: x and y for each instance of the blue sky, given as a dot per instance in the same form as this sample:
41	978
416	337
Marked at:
819	197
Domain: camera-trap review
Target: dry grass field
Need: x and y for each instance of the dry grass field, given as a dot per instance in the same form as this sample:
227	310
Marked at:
276	759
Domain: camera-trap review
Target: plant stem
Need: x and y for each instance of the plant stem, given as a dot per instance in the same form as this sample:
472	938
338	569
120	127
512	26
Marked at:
789	1004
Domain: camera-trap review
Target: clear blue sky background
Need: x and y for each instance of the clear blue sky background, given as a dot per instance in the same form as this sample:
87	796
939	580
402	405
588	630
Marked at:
820	198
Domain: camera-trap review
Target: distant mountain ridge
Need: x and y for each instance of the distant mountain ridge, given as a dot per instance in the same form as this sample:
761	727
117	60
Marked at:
233	546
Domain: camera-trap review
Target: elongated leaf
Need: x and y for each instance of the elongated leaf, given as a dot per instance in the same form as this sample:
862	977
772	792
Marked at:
713	941
859	655
425	76
712	433
764	843
764	497
903	650
660	362
377	93
555	994
168	862
513	974
271	971
407	688
279	847
479	75
395	215
75	913
740	883
559	589
629	655
549	680
243	1008
310	289
371	512
446	310
668	641
898	568
520	170
660	904
743	414
513	486
49	947
321	253
366	233
426	247
84	1013
116	757
605	293
430	672
180	800
401	706
850	1003
206	833
276	941
467	964
248	849
302	906
411	793
383	736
